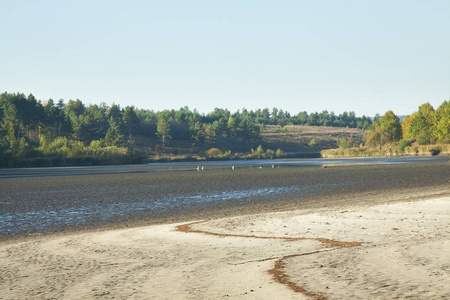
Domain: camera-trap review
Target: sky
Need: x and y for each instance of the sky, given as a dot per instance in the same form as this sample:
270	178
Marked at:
363	56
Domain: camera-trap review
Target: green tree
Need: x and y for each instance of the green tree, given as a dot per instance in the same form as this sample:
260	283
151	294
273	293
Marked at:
219	115
19	116
113	135
375	136
423	125
22	148
80	127
130	121
442	128
76	107
387	129
283	118
51	119
259	152
115	112
163	127
363	123
247	130
210	134
10	118
232	126
97	121
198	134
302	118
324	118
313	119
263	116
391	126
12	140
274	116
31	114
377	118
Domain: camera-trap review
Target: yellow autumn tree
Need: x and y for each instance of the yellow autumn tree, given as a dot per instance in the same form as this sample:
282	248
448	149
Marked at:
406	127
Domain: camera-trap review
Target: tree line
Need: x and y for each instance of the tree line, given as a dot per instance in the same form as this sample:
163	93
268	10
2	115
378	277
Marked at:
33	128
30	127
426	126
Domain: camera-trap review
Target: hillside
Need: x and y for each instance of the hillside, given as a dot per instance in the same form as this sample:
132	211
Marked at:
292	139
295	138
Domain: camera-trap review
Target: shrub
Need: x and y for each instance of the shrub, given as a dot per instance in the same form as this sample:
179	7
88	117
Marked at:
97	144
214	152
345	144
435	151
402	144
227	155
270	153
259	152
279	153
313	143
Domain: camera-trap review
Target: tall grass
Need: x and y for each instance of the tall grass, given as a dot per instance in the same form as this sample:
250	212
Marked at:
64	152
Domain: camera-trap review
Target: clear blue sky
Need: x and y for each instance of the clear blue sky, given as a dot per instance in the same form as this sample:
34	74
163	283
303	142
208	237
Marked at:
362	56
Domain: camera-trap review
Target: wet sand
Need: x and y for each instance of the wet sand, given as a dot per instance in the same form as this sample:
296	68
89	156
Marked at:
349	250
294	188
365	232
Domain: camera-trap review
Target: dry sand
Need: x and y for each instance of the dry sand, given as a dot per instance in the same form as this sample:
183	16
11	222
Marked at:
389	251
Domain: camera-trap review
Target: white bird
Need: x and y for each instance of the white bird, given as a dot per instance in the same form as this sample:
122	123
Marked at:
232	168
198	168
203	168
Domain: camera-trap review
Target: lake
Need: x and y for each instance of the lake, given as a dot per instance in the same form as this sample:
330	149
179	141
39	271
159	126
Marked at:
41	200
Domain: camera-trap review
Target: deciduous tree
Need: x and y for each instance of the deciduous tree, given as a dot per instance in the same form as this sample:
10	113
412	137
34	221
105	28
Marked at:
442	128
423	125
386	130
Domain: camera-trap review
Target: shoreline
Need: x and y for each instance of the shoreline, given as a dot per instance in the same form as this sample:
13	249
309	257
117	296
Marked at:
381	249
362	199
92	202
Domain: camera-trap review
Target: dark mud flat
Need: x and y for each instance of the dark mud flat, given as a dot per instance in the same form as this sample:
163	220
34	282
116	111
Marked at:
43	204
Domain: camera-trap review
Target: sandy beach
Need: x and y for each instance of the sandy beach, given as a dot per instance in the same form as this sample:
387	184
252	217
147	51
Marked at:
396	250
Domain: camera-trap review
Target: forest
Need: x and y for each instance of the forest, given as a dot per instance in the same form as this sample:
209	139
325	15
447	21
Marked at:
57	133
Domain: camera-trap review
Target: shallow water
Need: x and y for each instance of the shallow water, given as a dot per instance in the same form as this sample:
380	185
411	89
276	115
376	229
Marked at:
59	217
208	165
73	206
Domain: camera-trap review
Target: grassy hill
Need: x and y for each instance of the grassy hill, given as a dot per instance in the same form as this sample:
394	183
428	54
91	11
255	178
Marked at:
294	140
